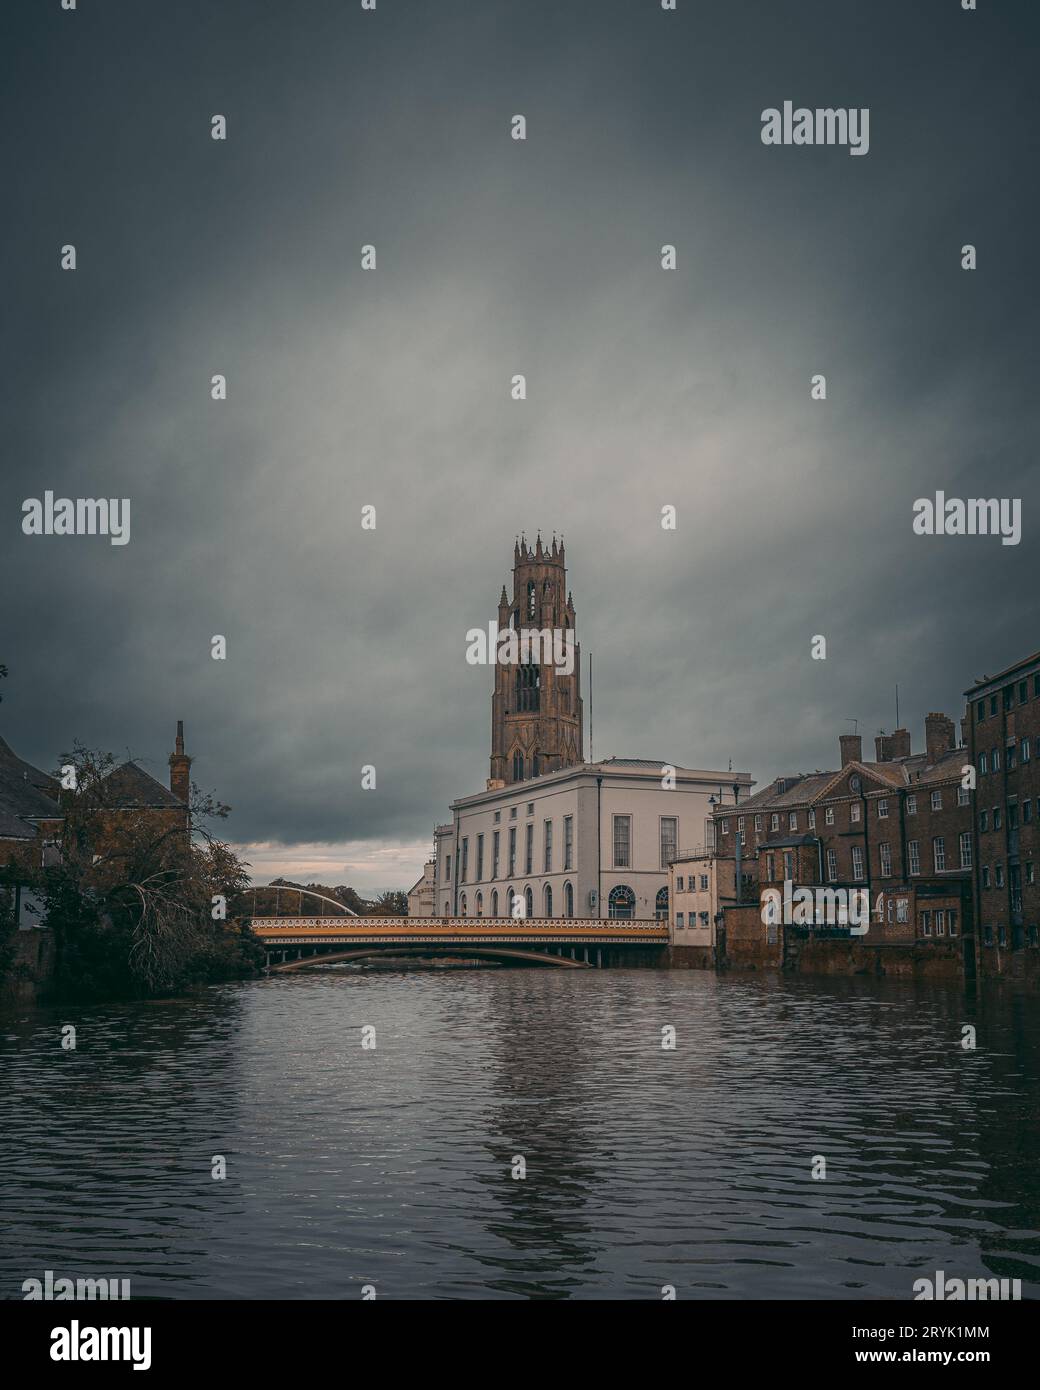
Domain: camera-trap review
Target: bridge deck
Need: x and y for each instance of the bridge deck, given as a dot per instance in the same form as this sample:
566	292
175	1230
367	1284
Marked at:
298	931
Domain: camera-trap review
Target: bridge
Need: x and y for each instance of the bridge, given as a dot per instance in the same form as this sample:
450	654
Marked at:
296	943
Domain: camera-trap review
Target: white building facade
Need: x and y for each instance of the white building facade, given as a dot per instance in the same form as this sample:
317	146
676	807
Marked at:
593	840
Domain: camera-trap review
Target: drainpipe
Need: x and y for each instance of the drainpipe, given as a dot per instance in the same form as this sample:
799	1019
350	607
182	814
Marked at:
455	874
736	829
599	849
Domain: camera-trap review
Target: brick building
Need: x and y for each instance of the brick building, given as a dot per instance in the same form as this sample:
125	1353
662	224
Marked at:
31	814
1003	722
899	826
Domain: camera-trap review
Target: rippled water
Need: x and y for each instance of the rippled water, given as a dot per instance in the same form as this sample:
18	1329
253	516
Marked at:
645	1167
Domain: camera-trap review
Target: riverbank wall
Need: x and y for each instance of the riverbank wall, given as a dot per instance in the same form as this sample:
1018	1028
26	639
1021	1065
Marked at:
31	971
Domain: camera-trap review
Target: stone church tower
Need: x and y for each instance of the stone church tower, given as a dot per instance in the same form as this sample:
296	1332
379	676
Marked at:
536	712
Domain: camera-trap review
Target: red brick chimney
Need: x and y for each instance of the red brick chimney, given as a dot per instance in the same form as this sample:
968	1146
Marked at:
939	736
180	764
899	743
851	748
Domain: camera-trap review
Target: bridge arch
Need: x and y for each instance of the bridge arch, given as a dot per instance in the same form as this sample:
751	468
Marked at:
359	953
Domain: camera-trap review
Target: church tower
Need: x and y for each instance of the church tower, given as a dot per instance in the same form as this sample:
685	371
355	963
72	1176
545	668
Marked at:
536	711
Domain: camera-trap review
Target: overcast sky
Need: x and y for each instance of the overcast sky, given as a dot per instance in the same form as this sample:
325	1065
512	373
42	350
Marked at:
392	387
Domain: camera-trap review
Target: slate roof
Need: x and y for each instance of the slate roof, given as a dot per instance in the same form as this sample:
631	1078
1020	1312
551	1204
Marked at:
805	788
130	786
26	795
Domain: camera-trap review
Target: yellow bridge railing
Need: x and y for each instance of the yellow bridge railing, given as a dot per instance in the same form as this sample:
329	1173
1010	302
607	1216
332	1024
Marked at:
571	929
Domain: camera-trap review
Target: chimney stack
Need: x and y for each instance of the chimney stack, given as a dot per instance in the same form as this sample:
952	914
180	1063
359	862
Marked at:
899	743
180	765
882	748
939	736
851	749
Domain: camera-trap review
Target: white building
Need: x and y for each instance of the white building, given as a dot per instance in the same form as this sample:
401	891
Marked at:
592	840
421	893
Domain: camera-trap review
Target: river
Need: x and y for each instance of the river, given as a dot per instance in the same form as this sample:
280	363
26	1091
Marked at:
646	1167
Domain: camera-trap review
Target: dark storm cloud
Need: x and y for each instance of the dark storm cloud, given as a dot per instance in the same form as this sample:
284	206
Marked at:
392	388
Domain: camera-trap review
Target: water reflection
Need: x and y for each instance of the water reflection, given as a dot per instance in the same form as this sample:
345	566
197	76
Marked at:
644	1166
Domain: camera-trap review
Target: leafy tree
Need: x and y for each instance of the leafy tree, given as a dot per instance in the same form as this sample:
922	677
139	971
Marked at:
131	896
392	903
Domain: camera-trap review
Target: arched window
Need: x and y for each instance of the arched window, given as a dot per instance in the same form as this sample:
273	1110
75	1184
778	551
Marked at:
528	902
622	901
510	899
518	766
532	599
536	764
548	900
479	905
494	903
661	905
568	899
528	683
446	911
462	905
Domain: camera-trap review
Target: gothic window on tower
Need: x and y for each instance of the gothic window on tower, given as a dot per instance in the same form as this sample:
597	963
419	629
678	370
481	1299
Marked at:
531	598
518	770
528	686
